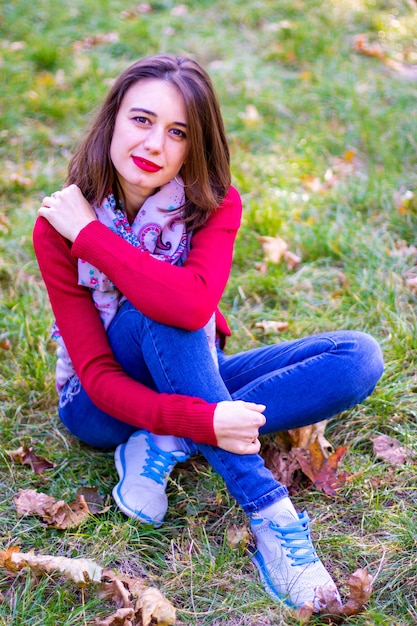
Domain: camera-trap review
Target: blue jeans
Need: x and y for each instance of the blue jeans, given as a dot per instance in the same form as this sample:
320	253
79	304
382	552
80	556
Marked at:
300	382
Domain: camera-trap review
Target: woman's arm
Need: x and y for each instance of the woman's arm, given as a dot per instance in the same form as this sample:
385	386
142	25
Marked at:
180	296
101	376
233	426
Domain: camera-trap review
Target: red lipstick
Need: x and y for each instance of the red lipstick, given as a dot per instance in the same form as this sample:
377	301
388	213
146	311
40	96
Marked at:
145	165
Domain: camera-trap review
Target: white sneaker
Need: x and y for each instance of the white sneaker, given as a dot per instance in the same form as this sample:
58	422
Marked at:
287	561
143	470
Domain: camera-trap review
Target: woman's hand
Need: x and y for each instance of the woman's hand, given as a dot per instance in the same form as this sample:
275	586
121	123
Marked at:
236	424
67	211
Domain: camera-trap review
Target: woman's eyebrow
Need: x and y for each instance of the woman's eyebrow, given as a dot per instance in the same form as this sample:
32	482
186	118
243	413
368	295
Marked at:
140	110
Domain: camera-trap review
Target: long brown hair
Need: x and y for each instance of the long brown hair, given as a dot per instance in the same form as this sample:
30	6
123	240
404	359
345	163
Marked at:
206	171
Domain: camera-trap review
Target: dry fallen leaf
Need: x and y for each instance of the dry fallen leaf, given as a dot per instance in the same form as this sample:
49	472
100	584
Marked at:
330	478
137	603
148	602
80	571
238	536
360	585
306	452
95	40
333	612
273	248
27	456
391	450
375	50
276	250
56	513
270	326
121	617
155	608
311	437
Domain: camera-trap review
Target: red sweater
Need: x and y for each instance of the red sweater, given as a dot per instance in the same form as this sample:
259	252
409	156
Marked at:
193	292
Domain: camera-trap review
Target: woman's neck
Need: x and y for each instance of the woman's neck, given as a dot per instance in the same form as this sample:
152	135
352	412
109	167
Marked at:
133	201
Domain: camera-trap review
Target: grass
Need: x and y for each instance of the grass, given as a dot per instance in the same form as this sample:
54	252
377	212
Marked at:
324	153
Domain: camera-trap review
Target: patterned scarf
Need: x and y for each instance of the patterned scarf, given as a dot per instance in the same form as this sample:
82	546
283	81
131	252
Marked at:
159	229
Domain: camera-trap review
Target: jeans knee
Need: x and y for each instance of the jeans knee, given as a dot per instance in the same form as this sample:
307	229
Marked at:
369	359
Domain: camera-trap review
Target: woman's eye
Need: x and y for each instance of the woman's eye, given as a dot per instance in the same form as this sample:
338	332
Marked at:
179	133
141	120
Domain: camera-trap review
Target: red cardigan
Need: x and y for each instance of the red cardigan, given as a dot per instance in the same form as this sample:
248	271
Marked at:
192	291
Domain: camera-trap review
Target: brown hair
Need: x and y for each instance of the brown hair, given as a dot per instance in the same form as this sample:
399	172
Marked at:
206	171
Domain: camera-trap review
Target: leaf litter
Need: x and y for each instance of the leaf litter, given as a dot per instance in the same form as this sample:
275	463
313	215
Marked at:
58	513
137	604
301	451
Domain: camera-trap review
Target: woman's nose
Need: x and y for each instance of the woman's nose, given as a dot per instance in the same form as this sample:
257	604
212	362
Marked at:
154	140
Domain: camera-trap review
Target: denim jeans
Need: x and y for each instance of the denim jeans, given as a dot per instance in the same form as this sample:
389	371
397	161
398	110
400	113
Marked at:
300	382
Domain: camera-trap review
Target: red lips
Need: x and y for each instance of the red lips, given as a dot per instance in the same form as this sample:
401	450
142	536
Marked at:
145	165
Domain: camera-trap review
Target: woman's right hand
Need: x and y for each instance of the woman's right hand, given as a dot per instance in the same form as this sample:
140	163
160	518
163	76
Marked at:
236	424
67	211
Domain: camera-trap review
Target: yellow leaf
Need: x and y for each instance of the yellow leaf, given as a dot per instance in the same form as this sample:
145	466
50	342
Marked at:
155	608
270	326
80	571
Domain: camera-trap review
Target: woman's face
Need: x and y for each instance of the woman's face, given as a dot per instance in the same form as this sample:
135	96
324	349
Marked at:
149	142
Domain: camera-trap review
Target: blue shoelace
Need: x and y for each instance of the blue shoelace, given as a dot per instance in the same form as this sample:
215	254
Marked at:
158	463
296	539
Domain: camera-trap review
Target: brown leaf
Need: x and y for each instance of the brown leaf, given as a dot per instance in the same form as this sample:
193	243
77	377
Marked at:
31	502
121	617
237	536
329	479
115	588
6	557
312	438
311	458
93	499
25	455
282	463
360	584
304	614
95	40
391	450
136	602
5	344
150	603
362	45
328	600
56	513
329	606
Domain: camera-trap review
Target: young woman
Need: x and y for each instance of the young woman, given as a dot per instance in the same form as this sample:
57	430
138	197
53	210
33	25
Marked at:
135	252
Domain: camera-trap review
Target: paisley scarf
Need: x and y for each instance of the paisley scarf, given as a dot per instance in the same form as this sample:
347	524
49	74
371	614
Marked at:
159	229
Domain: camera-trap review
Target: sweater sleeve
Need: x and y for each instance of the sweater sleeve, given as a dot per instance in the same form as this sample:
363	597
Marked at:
192	291
101	376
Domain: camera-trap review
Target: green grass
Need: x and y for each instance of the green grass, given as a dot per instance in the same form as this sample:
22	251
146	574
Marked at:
316	101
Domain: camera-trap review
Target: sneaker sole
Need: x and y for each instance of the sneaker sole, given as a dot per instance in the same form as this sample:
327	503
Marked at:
271	590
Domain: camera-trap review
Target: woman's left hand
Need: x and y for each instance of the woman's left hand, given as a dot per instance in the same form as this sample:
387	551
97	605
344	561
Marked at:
67	211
